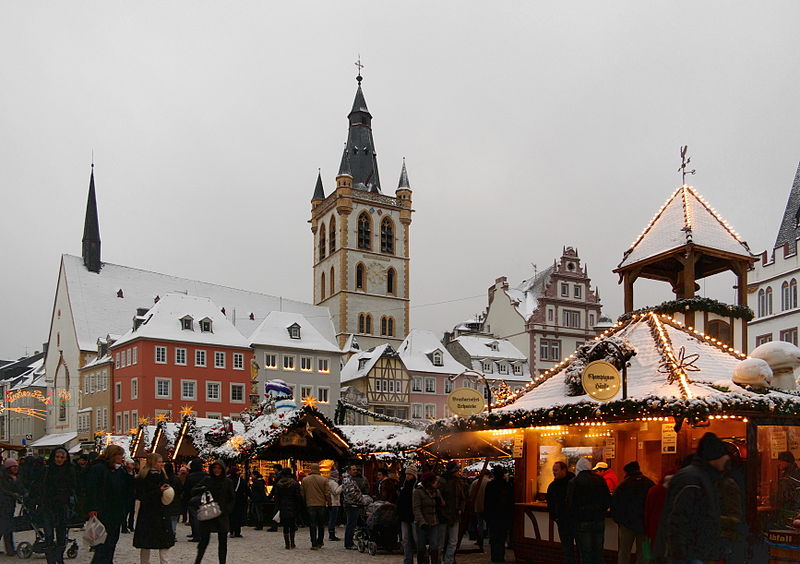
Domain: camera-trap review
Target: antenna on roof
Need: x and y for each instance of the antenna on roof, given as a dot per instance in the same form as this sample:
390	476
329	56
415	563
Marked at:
684	163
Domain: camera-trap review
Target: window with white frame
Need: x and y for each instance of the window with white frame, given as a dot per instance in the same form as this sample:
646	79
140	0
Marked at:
502	368
437	358
205	325
378	385
238	361
219	359
213	391
126	417
213	415
323	395
270	360
118	391
163	388
486	366
517	368
577	291
128	357
188	389
116	361
161	354
305	363
416	384
288	362
390	383
134	417
134	388
323	365
761	339
416	411
118	418
448	385
180	356
237	393
306	391
571	318
430	411
430	385
135	354
564	290
200	357
165	412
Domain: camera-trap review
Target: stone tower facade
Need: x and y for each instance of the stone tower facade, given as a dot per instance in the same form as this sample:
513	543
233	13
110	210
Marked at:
361	243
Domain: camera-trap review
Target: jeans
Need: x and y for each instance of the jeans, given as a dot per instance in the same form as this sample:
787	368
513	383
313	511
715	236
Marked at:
351	515
104	553
333	519
448	539
194	523
318	519
427	535
258	513
205	538
163	554
626	538
174	520
566	532
54	521
589	536
407	536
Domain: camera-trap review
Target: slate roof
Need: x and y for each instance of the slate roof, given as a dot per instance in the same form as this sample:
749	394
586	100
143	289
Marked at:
685	218
789	230
319	193
360	147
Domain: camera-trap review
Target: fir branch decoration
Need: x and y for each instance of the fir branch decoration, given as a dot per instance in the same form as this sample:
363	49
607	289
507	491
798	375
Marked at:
599	350
696	304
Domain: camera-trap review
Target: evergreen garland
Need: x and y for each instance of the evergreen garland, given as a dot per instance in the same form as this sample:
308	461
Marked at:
695	304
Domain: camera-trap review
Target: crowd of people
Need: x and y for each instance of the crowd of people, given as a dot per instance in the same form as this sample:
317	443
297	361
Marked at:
693	514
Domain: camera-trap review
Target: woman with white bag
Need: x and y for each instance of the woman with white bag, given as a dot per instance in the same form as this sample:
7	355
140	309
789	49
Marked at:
153	527
222	495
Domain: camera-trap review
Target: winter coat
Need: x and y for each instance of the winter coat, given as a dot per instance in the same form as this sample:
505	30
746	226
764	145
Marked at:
405	502
789	488
196	475
362	484
454	495
426	504
627	502
316	491
351	493
336	492
175	508
654	507
10	489
241	493
557	499
691	521
732	526
288	499
221	489
611	479
258	491
57	488
81	489
153	526
588	497
498	506
109	491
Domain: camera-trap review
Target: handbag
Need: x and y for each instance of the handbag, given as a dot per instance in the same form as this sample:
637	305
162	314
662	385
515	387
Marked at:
94	532
209	509
167	496
277	516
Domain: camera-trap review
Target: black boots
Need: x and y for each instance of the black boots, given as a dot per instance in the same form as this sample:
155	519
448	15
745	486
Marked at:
291	536
434	556
287	539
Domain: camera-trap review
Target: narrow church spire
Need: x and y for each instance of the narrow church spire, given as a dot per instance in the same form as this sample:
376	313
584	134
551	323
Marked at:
360	145
91	230
789	230
319	193
403	177
344	166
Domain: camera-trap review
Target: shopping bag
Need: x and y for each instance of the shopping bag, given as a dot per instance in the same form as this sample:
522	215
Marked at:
277	517
209	509
94	532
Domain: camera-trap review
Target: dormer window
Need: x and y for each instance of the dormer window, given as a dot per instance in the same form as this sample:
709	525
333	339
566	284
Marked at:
187	323
294	331
437	358
205	325
493	346
362	362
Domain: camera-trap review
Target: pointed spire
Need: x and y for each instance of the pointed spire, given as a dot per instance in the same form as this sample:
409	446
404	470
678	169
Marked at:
344	166
360	146
319	193
403	177
359	103
789	230
91	230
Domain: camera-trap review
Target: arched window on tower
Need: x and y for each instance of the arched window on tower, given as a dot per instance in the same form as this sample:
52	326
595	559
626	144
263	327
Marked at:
322	245
762	303
322	287
793	293
361	322
390	326
364	232
785	300
332	288
368	324
332	236
387	236
768	304
391	281
361	277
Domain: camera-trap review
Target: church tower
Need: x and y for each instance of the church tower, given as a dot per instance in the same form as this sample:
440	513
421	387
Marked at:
91	231
361	242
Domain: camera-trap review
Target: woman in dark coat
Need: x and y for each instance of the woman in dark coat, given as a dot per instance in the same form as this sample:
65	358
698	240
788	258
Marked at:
10	490
241	495
153	528
221	489
109	487
57	502
289	501
258	497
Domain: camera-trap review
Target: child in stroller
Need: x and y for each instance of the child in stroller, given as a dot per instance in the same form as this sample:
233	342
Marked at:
382	530
29	519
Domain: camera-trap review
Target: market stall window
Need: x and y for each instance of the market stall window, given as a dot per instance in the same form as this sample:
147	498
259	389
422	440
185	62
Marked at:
778	496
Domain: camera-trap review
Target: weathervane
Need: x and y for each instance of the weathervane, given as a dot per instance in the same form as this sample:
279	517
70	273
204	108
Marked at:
359	66
684	163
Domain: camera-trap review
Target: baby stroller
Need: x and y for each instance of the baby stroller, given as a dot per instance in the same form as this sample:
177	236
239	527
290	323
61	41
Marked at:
30	520
383	529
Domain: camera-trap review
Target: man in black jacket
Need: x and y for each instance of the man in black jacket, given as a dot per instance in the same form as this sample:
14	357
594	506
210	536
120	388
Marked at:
499	511
587	501
405	511
196	475
692	510
627	509
557	506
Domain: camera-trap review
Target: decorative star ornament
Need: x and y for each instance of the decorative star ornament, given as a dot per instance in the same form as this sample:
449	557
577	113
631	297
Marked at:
162	417
310	401
682	362
133	431
144	420
186	411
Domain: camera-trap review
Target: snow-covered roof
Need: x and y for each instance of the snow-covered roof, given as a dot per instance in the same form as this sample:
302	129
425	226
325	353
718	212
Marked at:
54	440
33	377
274	332
98	311
355	369
163	322
483	347
417	350
685	218
525	297
98	361
383	438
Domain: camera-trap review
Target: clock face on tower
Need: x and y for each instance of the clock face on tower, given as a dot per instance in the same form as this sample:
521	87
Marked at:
376	272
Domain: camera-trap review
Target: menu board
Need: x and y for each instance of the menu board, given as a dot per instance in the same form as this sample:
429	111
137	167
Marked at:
610	450
669	439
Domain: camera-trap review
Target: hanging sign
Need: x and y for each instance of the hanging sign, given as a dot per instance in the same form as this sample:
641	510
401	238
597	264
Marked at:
465	402
601	380
519	441
610	450
669	439
293	439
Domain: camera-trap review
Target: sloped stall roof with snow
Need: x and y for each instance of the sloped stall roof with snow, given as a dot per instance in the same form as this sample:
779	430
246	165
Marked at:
97	311
394	439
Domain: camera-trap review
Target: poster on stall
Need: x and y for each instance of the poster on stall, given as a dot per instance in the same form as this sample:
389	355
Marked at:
519	440
777	442
611	448
669	439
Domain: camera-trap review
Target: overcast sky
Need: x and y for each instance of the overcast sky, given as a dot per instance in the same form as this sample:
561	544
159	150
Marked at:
526	126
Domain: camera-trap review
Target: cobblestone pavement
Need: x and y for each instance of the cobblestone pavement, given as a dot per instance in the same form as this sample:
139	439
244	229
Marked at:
255	546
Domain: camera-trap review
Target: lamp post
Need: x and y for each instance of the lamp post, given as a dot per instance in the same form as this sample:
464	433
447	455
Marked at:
470	373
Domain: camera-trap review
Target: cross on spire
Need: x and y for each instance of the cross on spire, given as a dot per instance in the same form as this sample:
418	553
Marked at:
685	163
359	66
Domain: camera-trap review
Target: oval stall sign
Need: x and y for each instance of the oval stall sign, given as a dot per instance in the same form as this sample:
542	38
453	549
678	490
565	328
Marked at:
465	402
601	380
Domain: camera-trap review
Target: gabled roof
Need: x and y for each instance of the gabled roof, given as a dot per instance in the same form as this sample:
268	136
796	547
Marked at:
417	349
355	369
163	322
525	297
273	332
98	311
481	347
685	218
789	230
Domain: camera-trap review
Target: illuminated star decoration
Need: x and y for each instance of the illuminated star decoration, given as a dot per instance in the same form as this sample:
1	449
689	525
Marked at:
186	411
161	417
31	411
144	420
310	401
682	362
133	431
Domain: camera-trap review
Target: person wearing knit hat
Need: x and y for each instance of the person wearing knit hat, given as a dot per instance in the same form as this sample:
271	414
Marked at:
693	507
587	500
